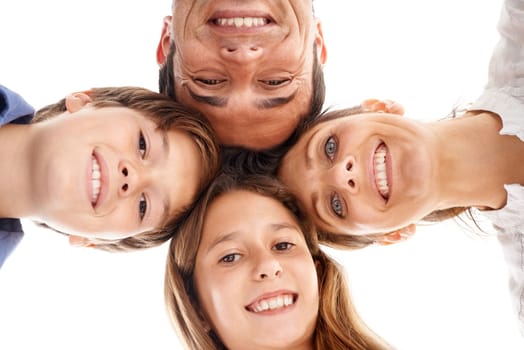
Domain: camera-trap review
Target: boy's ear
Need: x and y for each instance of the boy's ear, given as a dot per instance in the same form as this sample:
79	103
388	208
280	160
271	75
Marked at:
397	236
164	44
386	106
321	44
78	241
77	101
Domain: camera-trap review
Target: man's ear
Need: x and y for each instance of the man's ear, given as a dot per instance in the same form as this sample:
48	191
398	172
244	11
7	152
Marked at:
77	101
320	43
164	44
77	241
386	106
397	236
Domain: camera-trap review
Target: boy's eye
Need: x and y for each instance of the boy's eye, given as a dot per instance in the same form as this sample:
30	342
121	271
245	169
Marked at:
142	207
330	148
230	258
283	246
142	145
337	205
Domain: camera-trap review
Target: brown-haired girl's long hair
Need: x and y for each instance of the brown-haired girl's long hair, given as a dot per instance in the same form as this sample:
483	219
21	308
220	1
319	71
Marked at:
167	115
338	325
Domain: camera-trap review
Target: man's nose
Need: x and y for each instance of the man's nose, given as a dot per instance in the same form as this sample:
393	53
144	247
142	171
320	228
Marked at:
343	175
241	53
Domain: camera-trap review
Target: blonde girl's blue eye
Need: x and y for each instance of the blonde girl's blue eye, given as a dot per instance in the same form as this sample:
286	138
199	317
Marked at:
330	147
142	207
283	246
230	258
142	145
337	206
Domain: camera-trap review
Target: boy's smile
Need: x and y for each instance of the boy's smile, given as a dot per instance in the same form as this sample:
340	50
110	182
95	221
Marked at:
96	183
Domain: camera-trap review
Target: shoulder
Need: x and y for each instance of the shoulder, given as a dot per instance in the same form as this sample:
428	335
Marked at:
11	234
13	107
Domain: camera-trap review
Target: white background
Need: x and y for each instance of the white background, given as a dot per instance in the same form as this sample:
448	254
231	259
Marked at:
444	289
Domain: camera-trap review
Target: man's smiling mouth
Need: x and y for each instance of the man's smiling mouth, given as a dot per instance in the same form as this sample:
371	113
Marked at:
238	22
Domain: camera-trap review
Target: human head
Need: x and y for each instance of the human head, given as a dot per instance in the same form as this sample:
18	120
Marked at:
254	84
337	324
159	134
366	176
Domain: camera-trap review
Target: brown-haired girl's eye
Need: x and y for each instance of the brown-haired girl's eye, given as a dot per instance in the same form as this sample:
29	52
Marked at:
283	246
230	258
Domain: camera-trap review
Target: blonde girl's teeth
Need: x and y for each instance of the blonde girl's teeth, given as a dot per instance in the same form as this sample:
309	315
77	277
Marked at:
230	21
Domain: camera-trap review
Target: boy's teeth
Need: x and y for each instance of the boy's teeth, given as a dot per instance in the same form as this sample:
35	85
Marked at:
241	22
95	180
272	303
380	171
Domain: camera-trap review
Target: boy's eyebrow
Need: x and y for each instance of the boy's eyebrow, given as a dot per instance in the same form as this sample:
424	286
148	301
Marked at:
165	143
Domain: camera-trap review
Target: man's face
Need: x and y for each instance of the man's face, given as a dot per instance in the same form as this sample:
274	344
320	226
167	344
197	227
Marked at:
246	64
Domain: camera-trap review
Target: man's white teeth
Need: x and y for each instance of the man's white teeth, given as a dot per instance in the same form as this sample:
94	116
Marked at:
272	303
95	180
380	171
242	22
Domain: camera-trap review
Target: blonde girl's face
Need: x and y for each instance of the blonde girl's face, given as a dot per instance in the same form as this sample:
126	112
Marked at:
255	277
365	173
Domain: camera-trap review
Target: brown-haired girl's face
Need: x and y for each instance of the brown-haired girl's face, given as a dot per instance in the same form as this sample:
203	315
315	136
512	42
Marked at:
110	172
255	277
365	173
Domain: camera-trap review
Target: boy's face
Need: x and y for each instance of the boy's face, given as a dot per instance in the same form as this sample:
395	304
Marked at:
109	173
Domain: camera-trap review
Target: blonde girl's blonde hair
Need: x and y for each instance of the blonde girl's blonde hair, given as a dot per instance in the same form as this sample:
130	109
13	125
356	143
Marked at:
339	326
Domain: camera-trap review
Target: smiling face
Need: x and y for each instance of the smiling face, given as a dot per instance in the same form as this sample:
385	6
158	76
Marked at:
247	65
110	173
255	277
367	173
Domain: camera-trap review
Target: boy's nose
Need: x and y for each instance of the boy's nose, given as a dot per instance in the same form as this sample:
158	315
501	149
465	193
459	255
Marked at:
130	178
